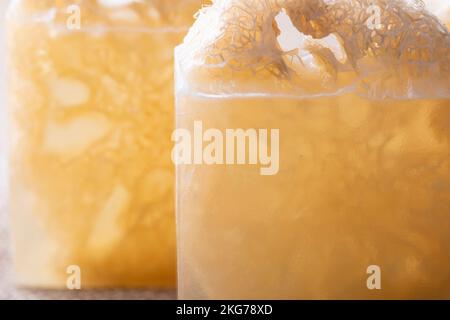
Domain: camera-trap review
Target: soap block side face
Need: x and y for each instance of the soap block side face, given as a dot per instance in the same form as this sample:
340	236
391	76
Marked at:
360	183
91	175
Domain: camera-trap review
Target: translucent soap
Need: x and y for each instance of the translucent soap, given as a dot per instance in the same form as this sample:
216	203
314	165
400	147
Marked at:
358	206
91	105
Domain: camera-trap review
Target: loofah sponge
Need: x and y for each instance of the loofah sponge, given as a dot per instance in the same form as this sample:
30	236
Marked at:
406	51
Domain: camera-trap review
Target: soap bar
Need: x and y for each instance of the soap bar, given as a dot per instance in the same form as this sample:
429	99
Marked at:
324	169
91	105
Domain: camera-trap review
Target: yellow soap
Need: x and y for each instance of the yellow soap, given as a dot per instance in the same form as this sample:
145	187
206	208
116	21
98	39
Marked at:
358	205
91	105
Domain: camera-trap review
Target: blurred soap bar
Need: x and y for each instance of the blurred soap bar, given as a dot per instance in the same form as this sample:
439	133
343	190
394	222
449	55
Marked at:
92	182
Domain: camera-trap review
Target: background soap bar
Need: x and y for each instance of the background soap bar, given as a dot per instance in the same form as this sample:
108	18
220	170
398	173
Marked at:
91	117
